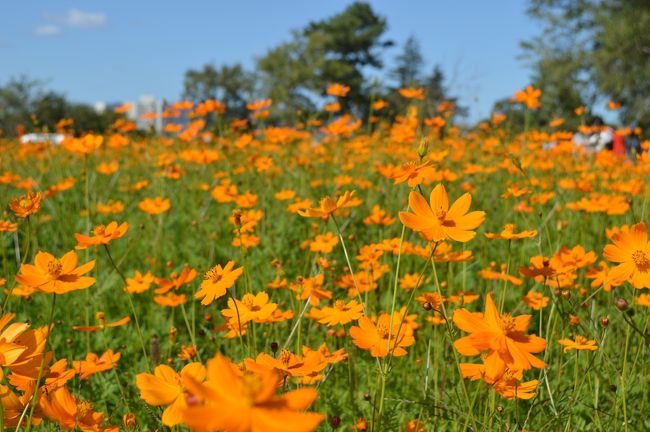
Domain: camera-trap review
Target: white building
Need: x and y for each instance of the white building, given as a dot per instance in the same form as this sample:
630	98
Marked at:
147	104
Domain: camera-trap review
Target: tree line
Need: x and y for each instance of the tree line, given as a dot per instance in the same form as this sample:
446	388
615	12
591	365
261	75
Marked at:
589	51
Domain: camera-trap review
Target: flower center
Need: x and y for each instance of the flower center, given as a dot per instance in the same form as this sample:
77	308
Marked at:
100	230
641	260
249	302
382	331
339	304
213	275
507	324
252	386
285	356
83	409
25	203
54	268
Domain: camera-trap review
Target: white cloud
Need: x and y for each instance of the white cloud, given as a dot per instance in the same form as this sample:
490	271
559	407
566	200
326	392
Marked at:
77	18
47	30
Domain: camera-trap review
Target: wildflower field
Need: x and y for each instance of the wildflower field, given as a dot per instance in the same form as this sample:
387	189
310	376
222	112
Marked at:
380	274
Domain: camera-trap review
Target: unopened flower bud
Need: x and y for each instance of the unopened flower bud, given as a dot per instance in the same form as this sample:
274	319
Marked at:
129	420
621	304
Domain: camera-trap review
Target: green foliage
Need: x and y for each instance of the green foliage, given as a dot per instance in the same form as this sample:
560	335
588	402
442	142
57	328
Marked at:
589	51
232	85
25	102
334	50
408	73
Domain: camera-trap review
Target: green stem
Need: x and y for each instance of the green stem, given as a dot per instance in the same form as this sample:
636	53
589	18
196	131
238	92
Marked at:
128	296
34	400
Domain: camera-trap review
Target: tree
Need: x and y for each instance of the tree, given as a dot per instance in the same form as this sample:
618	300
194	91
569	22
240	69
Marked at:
334	50
16	100
25	102
231	85
408	64
288	76
589	51
408	73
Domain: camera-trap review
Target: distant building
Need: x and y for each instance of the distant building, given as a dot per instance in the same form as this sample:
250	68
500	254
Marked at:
146	112
52	138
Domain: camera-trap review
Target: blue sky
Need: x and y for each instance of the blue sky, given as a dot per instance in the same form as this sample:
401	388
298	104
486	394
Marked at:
118	50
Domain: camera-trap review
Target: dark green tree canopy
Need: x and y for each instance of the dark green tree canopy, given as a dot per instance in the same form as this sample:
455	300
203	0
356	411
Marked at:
26	102
337	49
232	85
592	51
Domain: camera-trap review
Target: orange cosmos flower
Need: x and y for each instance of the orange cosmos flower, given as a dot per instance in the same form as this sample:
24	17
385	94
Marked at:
339	313
578	343
230	400
413	173
259	104
299	205
139	283
217	280
379	105
508	385
643	300
51	275
374	338
287	364
529	97
26	205
324	243
14	406
632	250
338	90
602	277
175	280
12	344
329	205
7	226
60	187
103	234
412	93
84	145
536	300
108	168
166	388
170	300
611	105
332	107
436	221
94	364
360	425
251	308
508	233
378	216
154	206
71	414
285	194
579	111
101	319
490	274
502	336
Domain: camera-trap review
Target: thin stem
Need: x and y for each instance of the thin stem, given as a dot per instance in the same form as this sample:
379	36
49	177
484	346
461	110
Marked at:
34	400
135	315
347	260
189	330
